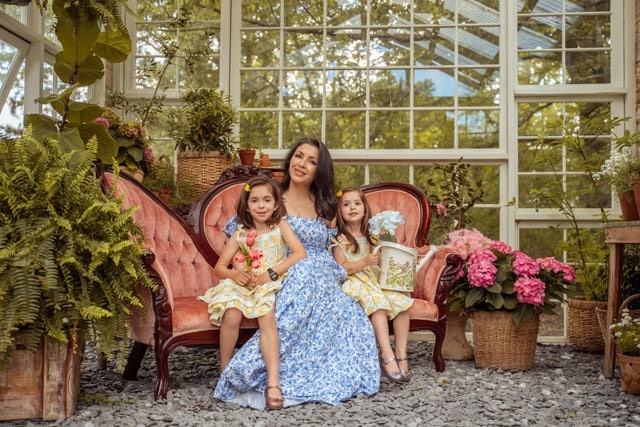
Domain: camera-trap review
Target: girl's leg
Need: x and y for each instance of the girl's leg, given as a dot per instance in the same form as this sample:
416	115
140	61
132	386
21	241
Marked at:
401	337
229	331
381	328
270	348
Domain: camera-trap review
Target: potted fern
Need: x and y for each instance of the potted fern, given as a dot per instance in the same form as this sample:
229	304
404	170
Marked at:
71	269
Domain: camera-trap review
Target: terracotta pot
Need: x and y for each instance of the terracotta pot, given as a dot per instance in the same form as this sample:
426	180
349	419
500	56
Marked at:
246	157
265	161
629	208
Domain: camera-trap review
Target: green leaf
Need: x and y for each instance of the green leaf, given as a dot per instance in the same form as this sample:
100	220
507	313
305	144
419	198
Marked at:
107	146
78	37
84	74
495	300
113	46
70	139
83	112
474	296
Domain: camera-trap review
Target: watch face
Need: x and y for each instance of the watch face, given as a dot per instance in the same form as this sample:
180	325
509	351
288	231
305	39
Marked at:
273	274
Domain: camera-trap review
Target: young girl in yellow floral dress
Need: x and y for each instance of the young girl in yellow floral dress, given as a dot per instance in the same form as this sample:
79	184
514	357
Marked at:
257	251
353	252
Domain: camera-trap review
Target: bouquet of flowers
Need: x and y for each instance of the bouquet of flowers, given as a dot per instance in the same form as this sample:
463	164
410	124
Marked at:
621	171
248	256
495	277
626	334
133	149
383	225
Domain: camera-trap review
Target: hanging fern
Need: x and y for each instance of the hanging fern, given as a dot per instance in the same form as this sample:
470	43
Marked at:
69	255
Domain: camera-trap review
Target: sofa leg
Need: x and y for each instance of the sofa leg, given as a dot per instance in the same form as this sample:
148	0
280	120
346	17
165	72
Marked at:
134	361
162	365
437	353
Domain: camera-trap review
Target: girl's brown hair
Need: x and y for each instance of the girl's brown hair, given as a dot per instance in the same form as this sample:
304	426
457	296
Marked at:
364	224
242	209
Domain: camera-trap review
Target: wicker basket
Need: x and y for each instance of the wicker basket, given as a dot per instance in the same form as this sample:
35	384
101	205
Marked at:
202	168
583	328
501	344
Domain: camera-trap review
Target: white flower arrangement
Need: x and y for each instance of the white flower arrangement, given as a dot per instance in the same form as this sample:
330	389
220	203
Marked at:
621	170
385	224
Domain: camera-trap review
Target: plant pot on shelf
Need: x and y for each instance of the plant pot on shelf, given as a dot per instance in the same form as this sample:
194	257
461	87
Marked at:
246	156
628	207
455	345
583	327
202	168
501	344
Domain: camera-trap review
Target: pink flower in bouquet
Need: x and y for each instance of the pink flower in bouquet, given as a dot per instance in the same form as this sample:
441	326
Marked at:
251	257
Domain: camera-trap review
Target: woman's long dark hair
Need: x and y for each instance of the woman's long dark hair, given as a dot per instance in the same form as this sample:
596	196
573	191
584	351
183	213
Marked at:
323	186
364	223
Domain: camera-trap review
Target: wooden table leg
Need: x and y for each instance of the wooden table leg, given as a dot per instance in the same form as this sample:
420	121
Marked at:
615	272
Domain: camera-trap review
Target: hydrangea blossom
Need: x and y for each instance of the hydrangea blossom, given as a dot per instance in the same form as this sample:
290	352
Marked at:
385	222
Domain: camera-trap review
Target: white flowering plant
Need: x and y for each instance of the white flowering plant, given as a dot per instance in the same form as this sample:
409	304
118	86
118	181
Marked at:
626	334
383	225
621	170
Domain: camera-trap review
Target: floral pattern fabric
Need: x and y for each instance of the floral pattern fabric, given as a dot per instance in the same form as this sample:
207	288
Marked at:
252	302
363	286
328	350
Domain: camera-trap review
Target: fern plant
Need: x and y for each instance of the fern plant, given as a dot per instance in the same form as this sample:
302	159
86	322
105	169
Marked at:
70	256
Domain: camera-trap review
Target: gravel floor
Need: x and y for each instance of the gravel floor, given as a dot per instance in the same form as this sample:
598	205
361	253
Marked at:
565	388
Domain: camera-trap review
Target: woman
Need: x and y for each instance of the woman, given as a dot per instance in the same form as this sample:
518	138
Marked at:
328	350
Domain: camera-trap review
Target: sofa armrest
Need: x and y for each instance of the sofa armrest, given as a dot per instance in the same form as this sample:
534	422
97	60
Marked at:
433	281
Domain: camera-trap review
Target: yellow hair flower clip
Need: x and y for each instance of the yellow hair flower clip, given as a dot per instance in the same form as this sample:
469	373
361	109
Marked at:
247	188
339	194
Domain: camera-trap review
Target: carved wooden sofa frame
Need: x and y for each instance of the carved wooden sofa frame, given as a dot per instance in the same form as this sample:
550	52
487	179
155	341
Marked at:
183	253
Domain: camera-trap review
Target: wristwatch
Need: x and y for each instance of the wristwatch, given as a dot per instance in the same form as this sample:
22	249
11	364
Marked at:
272	274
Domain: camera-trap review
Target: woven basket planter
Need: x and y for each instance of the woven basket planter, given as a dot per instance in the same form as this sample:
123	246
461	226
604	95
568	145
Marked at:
629	373
583	328
501	344
202	168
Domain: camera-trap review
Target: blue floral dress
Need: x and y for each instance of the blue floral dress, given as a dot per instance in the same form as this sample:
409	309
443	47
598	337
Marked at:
328	350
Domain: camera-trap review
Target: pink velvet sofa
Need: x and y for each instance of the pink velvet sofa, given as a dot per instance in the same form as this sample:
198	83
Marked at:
183	252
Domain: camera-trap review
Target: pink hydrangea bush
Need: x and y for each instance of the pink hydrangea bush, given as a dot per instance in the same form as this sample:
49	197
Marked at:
496	277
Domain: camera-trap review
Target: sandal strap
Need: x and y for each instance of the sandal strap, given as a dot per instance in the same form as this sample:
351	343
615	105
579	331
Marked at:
401	359
386	362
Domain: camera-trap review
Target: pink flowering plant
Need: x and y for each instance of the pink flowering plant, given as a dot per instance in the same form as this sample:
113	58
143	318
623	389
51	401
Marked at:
496	277
133	147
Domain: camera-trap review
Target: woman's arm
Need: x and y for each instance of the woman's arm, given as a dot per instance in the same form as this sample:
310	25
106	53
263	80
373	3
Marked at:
222	269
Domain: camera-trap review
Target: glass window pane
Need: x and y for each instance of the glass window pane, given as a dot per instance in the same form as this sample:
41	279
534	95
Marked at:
433	129
433	46
433	13
259	89
12	112
296	124
529	199
347	88
303	13
382	135
260	126
478	128
260	13
346	13
478	87
346	48
539	68
303	48
536	32
303	88
478	45
588	67
434	87
348	175
260	48
345	129
379	173
390	47
390	12
588	31
478	11
539	155
389	88
536	119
